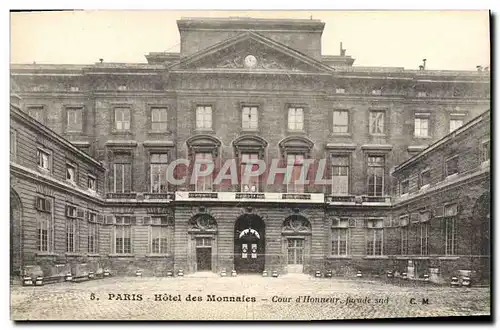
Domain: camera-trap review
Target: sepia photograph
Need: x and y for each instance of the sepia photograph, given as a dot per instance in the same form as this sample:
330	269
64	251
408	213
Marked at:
250	165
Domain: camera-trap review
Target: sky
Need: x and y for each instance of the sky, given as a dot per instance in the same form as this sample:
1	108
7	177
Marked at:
449	40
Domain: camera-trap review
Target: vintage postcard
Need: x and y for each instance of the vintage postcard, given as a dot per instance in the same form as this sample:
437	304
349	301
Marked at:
293	165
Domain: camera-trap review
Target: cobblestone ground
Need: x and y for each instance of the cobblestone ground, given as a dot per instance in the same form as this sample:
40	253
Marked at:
64	301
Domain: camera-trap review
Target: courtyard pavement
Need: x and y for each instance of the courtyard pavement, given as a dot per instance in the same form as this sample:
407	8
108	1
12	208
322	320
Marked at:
117	298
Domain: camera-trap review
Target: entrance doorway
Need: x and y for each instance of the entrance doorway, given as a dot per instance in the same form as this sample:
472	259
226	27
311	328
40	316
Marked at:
203	254
249	244
295	255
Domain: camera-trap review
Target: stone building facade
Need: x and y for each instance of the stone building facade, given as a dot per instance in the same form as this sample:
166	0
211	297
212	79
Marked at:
240	89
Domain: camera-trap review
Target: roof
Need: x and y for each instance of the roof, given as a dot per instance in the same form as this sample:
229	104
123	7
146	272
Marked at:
484	116
20	115
248	23
318	65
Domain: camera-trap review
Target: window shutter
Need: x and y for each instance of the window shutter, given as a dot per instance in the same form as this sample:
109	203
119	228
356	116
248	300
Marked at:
149	237
438	212
132	237
80	213
98	240
77	236
109	219
111	177
113	239
127	184
100	218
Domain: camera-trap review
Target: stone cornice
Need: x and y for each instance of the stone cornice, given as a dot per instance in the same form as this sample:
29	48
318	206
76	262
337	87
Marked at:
17	169
442	186
245	24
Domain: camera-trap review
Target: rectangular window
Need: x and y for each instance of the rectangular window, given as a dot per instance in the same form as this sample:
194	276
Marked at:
339	241
405	187
74	119
295	119
203	183
455	123
71	224
203	242
70	211
93	233
249	118
425	178
450	213
123	235
122	177
44	159
421	127
251	184
295	163
340	175
485	156
159	239
159	119
71	173
122	119
424	233
37	113
376	165
91	182
340	121
44	224
451	236
375	237
452	166
159	165
93	238
204	117
377	122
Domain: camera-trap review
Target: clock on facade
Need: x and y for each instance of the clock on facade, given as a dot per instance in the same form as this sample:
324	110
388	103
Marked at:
250	61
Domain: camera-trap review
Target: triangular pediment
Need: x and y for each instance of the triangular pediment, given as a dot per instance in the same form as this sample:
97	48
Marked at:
251	52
